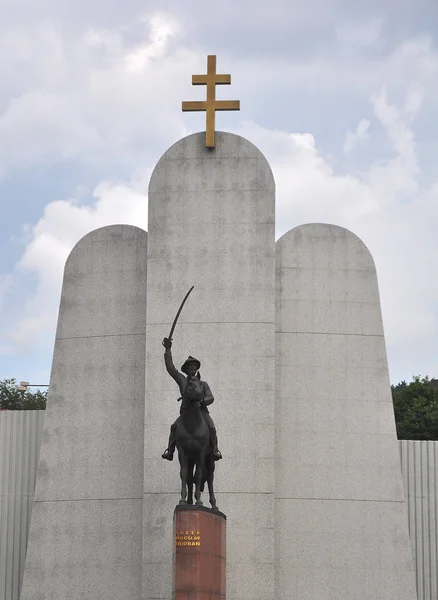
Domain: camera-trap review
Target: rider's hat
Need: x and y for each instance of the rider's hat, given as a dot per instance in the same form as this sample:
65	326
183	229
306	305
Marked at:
189	361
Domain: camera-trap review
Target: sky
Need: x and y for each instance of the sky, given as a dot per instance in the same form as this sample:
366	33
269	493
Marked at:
341	97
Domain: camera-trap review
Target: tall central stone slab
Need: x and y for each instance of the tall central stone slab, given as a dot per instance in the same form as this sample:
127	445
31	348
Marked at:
211	225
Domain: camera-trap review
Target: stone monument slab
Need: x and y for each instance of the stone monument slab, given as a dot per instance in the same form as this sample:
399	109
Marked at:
85	535
340	516
211	225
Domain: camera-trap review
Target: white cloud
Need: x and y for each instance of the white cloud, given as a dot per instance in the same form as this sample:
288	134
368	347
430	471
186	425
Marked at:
107	92
98	99
384	206
395	122
108	95
414	101
162	29
363	33
353	138
396	180
309	189
62	225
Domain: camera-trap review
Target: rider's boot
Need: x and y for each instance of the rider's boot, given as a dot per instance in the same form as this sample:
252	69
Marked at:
216	452
168	453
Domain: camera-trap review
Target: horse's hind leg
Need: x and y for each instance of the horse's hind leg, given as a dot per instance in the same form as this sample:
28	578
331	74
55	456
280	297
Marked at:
210	478
183	462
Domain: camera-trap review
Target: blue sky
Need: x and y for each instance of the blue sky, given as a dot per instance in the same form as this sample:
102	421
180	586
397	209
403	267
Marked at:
340	96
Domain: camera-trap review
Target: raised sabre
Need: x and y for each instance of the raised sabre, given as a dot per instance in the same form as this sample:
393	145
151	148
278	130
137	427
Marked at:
179	312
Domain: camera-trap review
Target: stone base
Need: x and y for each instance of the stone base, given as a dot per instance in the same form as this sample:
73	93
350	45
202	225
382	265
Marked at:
200	550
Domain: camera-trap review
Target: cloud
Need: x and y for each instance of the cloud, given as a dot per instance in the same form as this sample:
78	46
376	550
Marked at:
99	99
363	33
383	205
309	189
100	85
104	94
62	225
162	28
353	138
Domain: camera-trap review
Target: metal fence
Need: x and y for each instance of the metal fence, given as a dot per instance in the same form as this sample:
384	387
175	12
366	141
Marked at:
420	474
20	437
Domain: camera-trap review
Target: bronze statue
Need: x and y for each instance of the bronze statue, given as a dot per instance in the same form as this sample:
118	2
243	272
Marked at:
193	433
189	384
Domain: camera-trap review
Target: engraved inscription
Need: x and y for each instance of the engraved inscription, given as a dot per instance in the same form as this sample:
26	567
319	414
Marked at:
187	537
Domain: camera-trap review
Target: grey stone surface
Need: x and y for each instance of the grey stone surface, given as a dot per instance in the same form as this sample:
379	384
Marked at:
211	225
84	549
340	517
85	536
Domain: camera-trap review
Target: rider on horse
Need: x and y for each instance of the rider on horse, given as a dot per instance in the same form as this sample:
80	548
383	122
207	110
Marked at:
187	387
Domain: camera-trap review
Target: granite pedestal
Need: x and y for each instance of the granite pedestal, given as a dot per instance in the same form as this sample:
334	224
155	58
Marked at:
200	554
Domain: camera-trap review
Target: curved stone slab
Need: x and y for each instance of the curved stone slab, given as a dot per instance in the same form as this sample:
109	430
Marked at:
341	524
85	535
211	225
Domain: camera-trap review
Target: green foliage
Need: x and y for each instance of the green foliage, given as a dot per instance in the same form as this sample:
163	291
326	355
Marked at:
416	409
13	399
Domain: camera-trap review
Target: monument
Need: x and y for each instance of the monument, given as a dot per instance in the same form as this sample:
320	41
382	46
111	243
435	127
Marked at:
211	225
291	342
197	573
341	521
86	526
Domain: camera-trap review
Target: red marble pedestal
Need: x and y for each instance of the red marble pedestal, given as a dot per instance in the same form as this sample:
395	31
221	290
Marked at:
199	555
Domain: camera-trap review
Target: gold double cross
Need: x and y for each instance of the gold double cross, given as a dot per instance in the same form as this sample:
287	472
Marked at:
211	105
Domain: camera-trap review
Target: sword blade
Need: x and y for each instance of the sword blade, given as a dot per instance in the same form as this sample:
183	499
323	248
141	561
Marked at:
179	312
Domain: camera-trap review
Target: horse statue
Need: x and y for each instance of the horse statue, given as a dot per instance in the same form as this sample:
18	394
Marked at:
195	453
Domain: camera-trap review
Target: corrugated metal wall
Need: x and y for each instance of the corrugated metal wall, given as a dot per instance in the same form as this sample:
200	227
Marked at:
20	436
420	474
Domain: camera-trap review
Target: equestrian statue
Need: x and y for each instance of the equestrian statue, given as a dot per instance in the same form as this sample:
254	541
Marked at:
193	433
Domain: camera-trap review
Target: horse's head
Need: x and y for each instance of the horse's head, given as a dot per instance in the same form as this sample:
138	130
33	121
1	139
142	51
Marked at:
195	391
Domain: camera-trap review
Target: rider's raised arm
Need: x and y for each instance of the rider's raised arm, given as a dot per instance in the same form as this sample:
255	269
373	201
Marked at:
171	369
208	396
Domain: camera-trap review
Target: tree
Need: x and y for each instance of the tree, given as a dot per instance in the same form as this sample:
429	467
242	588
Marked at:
13	399
416	409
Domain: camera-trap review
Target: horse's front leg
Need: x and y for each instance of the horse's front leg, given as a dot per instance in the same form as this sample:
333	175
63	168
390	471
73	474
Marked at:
198	478
183	462
190	466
